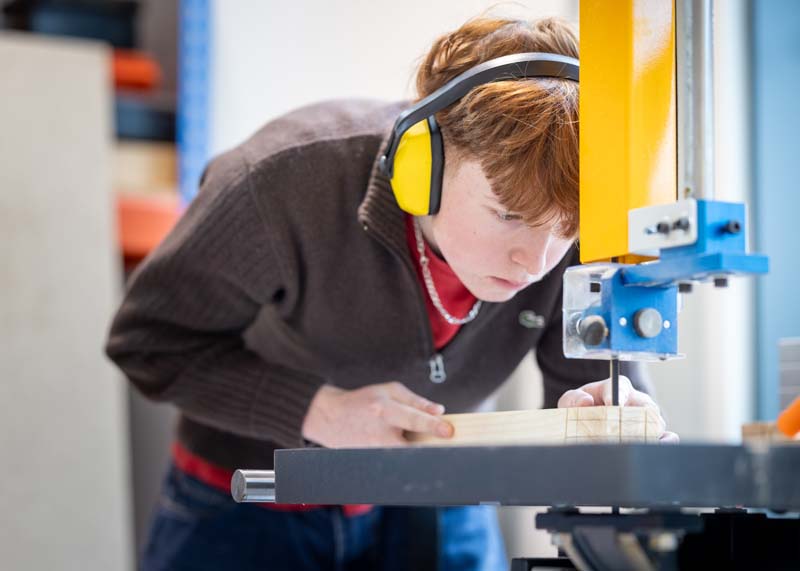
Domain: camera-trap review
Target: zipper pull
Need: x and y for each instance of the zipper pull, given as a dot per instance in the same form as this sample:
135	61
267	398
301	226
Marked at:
436	364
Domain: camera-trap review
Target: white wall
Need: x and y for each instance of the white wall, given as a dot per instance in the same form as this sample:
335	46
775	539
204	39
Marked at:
270	57
64	500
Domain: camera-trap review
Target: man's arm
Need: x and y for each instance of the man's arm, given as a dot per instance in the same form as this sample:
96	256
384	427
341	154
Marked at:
178	334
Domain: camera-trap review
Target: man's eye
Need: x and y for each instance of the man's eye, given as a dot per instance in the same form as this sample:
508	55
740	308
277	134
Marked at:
507	216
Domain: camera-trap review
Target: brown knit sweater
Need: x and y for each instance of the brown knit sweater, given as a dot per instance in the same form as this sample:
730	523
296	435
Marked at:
290	270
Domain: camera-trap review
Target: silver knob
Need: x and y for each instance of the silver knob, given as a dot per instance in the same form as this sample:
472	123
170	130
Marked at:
648	322
253	486
592	330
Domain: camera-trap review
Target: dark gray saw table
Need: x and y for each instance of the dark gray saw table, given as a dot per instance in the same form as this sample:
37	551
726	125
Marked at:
630	475
753	494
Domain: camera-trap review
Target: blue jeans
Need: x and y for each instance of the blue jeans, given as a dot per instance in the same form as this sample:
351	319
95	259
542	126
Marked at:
200	528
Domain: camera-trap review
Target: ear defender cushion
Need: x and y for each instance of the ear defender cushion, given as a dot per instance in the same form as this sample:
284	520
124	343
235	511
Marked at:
437	166
413	164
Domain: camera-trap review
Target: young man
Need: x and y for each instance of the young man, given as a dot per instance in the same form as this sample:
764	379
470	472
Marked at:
296	303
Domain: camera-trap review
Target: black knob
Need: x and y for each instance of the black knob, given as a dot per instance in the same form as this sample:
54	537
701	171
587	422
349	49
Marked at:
681	224
592	330
685	287
662	228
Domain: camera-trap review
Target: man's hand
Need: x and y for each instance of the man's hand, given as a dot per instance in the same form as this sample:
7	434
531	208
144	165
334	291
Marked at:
599	393
375	415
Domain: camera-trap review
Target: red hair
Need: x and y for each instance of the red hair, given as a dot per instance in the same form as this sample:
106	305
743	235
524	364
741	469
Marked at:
524	133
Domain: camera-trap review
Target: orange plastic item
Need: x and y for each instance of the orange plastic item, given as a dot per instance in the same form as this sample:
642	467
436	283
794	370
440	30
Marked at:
144	221
135	70
789	419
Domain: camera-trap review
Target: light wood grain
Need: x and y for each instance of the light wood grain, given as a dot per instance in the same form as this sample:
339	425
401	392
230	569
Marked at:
550	426
766	433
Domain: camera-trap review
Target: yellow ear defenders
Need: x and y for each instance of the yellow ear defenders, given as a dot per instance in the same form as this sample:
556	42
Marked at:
414	157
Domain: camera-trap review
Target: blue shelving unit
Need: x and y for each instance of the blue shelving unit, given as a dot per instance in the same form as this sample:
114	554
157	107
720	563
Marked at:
194	86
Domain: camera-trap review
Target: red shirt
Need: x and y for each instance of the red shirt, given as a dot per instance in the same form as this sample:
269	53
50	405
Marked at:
455	298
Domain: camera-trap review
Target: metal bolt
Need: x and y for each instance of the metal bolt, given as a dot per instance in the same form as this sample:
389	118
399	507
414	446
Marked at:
647	322
721	281
732	227
592	330
623	322
681	223
667	324
685	287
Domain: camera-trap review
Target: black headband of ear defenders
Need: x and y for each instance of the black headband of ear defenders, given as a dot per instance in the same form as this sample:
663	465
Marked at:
514	66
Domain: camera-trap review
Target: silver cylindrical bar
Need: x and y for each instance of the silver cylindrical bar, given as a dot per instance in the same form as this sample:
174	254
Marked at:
253	486
695	71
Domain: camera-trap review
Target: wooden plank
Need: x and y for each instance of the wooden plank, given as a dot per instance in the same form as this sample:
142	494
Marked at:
549	426
766	433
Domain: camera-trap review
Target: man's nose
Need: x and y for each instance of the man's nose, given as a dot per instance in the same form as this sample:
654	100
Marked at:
533	260
533	255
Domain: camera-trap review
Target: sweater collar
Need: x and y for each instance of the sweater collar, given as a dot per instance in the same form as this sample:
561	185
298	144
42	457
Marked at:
379	213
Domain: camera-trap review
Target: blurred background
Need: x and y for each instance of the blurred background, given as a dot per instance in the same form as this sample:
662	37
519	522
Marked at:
109	111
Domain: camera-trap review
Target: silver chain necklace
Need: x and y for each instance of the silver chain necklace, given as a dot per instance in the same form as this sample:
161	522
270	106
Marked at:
428	279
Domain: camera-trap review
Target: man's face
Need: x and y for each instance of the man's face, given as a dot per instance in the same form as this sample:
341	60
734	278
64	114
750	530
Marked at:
493	253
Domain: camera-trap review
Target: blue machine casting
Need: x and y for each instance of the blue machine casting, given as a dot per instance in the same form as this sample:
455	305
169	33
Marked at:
720	250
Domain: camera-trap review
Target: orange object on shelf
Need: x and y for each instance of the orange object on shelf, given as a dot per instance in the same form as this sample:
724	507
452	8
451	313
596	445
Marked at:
135	70
144	220
789	419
